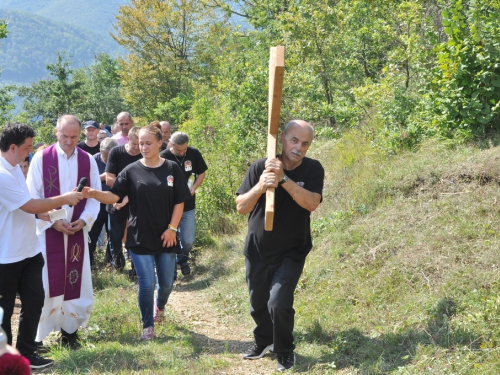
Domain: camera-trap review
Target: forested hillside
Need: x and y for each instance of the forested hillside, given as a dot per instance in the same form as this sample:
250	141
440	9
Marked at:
33	42
92	15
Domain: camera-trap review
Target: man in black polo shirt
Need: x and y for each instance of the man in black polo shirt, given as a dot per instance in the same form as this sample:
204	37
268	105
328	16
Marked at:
274	259
91	143
193	166
119	157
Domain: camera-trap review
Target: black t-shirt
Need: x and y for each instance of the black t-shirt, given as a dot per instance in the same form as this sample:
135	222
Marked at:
91	150
291	234
152	193
191	163
118	160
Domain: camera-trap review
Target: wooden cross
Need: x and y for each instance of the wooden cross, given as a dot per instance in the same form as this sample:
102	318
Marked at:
276	71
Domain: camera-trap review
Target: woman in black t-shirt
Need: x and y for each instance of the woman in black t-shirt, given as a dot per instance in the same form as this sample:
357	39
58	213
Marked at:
157	190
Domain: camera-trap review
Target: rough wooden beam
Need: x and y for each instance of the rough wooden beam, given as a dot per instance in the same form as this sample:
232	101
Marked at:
276	72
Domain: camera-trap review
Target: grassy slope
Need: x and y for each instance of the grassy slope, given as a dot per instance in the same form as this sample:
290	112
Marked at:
403	277
404	274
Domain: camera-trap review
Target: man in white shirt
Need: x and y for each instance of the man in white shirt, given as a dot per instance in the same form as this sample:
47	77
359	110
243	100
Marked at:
68	285
21	262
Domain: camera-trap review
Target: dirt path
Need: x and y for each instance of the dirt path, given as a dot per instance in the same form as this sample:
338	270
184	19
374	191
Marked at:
220	338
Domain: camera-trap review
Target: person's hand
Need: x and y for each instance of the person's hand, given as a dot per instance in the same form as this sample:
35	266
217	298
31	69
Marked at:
169	238
192	190
267	180
44	216
77	225
275	165
72	198
63	226
12	350
119	206
88	192
123	203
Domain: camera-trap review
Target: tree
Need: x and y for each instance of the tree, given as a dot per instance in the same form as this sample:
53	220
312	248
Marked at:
466	84
161	37
6	104
48	99
100	90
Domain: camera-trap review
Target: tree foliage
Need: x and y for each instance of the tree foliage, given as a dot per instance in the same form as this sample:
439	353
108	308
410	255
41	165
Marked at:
90	93
162	38
466	86
5	92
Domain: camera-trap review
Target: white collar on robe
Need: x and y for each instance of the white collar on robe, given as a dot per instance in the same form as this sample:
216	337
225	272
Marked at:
62	154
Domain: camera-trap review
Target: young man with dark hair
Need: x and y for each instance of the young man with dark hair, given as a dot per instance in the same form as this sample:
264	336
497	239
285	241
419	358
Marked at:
91	143
21	263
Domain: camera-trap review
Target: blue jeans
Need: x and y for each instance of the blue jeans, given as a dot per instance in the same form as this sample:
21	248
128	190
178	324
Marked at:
187	229
117	224
145	269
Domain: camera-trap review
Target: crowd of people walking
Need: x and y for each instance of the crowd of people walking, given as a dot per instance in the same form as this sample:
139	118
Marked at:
137	191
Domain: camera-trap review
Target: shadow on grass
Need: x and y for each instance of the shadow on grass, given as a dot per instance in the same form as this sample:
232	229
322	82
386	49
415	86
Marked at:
386	352
212	345
201	278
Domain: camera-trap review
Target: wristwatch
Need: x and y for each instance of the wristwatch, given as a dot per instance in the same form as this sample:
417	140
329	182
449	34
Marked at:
284	179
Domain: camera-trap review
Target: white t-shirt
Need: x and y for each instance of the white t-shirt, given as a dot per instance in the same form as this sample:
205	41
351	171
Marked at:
18	238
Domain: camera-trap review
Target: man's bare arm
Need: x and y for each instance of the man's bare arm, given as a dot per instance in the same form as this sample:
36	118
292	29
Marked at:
303	197
110	179
245	203
38	206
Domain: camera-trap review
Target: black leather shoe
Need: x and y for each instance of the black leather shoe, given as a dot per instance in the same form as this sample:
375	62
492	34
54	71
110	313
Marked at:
285	362
257	351
185	269
39	362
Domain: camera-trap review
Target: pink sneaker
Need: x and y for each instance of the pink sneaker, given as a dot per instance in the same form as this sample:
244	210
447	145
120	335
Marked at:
159	315
148	333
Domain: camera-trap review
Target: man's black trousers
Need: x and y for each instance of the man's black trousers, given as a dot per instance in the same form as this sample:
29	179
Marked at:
271	288
23	277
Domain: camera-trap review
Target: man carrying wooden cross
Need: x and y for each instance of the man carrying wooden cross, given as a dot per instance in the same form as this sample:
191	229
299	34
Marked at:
274	259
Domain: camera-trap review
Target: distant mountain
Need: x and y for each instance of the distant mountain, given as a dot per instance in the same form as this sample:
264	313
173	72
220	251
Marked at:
94	15
33	42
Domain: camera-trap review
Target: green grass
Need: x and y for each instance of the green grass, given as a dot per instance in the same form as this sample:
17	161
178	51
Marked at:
403	278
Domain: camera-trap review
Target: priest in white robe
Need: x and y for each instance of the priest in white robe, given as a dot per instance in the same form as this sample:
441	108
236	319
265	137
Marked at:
64	242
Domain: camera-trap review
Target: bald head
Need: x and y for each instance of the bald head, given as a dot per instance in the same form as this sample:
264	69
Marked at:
68	133
125	122
65	120
301	123
166	130
296	139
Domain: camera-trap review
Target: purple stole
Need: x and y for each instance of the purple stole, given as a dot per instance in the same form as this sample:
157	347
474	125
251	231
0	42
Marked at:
64	279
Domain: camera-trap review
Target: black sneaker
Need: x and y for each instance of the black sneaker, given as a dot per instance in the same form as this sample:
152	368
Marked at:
257	351
285	362
39	362
185	269
40	348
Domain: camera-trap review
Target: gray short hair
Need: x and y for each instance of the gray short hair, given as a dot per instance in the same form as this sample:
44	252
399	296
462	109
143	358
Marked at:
179	138
107	144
